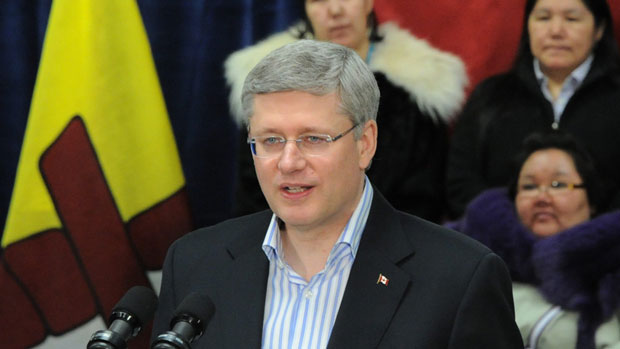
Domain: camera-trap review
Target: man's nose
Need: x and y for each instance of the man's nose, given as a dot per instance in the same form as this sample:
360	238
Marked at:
291	159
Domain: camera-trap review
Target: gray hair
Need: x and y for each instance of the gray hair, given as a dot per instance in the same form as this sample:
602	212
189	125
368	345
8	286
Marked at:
319	68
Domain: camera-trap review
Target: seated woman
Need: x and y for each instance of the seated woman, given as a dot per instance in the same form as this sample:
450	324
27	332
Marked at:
421	89
566	76
564	259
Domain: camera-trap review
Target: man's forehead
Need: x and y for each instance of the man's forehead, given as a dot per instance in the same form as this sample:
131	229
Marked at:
297	107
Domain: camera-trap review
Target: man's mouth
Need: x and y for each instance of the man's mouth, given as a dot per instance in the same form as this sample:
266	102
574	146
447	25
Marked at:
296	189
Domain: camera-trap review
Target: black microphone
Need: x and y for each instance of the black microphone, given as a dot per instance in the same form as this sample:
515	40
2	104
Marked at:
133	311
189	322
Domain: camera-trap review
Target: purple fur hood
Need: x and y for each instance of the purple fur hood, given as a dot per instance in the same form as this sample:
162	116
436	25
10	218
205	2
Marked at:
577	269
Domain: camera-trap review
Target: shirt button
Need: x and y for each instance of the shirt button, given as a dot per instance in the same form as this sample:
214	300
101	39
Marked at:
308	294
280	264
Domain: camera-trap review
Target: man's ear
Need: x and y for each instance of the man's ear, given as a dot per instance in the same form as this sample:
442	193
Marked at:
367	144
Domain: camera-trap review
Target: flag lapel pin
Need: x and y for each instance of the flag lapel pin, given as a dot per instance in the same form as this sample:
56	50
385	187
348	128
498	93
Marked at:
383	280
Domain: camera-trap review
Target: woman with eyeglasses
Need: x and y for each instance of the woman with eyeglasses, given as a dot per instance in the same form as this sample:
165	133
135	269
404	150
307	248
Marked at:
566	76
421	87
564	258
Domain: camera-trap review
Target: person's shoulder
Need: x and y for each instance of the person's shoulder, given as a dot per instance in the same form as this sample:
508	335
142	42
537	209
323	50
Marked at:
603	72
422	235
429	237
499	82
500	88
435	79
239	64
248	57
249	228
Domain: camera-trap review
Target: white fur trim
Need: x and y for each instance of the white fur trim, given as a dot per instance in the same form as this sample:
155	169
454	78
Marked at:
435	80
239	64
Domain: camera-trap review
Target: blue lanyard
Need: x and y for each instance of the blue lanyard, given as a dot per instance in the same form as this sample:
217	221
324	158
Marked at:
371	49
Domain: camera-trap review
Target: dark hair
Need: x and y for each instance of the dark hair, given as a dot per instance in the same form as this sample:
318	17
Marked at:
606	50
306	28
584	163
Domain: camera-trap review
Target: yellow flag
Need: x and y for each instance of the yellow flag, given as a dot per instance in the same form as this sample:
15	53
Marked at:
99	191
97	63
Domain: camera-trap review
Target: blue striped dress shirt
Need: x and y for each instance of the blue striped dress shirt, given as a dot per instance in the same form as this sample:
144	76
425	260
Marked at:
300	314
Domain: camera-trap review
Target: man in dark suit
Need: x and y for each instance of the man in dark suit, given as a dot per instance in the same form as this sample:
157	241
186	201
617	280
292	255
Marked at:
332	264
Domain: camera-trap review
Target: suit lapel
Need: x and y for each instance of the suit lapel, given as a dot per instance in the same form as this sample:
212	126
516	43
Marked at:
242	293
368	304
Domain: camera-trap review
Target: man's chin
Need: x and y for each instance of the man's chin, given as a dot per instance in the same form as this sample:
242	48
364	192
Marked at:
298	217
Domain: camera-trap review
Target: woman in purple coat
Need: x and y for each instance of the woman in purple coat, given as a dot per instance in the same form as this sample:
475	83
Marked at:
563	256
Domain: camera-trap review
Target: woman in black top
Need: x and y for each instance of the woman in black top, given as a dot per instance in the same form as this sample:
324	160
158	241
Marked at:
566	76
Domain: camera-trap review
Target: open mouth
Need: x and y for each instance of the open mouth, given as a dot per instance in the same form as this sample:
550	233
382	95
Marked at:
294	190
543	216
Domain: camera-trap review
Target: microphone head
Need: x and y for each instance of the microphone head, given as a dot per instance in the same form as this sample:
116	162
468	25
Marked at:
197	309
135	309
137	306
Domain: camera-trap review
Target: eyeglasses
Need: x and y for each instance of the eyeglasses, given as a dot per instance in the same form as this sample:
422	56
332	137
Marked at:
555	188
308	144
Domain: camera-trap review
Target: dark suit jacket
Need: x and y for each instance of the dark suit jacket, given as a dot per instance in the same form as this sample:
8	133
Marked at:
445	290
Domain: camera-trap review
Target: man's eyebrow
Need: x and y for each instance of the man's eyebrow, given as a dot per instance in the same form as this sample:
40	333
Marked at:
263	130
302	131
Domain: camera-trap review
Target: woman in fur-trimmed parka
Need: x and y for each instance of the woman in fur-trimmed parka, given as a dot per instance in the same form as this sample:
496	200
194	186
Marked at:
421	89
504	109
564	259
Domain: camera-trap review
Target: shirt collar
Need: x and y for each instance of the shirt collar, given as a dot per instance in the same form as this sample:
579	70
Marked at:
576	76
350	236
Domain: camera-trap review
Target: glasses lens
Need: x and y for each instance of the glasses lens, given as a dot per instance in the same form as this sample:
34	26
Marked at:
557	187
314	144
308	144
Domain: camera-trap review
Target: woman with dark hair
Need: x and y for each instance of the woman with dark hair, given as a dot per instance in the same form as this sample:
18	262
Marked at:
566	76
563	256
421	90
